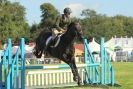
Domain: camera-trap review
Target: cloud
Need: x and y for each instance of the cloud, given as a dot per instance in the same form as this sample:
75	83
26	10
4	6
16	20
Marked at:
76	9
95	6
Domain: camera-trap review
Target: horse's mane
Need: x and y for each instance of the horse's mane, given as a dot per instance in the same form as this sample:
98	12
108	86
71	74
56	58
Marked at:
71	24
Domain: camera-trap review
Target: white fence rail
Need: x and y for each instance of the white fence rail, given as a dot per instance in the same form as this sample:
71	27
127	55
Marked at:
53	78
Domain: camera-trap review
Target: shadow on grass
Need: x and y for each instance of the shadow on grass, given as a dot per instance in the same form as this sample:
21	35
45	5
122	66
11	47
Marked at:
117	85
87	86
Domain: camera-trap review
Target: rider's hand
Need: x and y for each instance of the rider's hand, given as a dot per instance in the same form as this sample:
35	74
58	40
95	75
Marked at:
62	30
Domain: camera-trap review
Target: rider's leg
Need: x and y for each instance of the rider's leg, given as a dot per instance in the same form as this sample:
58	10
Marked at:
52	39
54	33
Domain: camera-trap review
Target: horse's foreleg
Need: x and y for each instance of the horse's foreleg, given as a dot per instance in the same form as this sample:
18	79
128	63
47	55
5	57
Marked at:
74	69
70	60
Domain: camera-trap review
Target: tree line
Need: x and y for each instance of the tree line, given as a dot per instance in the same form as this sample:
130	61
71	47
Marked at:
13	23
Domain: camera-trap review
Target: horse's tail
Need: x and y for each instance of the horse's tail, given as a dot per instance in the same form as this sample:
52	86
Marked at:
40	43
37	52
38	49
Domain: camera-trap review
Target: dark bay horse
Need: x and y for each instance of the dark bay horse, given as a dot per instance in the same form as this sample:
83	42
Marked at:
64	50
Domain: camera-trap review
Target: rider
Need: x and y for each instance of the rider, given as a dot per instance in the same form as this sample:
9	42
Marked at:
61	24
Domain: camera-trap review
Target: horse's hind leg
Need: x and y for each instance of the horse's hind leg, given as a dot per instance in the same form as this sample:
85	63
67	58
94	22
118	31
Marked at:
74	69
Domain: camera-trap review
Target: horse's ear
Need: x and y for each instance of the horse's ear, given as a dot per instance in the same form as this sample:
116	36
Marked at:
77	21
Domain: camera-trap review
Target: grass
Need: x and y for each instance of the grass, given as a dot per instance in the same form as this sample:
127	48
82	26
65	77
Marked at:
123	78
124	74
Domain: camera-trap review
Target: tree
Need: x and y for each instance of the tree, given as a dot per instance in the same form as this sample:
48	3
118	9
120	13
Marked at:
3	2
89	22
34	32
49	15
101	25
88	13
12	21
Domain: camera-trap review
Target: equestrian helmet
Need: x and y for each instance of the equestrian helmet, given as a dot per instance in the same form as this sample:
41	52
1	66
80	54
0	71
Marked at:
67	10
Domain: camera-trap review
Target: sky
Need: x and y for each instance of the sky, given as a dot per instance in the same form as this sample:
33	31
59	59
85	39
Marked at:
108	7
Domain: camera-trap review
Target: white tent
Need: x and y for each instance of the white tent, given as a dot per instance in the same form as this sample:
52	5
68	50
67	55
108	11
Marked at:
28	51
94	46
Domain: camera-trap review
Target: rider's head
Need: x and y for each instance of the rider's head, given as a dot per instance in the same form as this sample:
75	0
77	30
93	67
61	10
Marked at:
67	11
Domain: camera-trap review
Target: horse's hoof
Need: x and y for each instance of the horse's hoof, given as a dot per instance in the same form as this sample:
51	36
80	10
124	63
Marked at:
78	80
79	83
84	82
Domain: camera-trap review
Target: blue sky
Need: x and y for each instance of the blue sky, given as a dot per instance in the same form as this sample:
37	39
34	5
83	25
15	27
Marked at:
108	7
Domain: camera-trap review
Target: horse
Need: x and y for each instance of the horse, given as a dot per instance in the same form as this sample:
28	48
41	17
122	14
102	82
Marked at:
65	49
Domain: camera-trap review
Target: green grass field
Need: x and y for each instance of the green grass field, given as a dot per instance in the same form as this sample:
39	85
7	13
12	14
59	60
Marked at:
123	78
